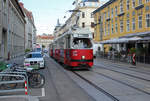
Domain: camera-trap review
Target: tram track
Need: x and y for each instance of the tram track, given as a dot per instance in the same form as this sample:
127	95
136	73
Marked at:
127	68
121	82
130	75
96	87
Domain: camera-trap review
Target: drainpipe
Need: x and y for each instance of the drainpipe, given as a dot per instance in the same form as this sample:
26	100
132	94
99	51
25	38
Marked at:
0	27
8	31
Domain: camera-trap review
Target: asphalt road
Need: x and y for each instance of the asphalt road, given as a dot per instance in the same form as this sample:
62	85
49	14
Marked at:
60	87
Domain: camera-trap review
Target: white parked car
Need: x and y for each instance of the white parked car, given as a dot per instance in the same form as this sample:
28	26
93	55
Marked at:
33	58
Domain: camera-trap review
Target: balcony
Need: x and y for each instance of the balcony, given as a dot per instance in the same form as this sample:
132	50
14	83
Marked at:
121	14
139	6
108	19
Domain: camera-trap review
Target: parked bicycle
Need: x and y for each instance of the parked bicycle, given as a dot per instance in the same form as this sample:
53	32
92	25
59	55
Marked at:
34	78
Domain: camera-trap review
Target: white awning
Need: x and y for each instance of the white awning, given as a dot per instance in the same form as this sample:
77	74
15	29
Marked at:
120	40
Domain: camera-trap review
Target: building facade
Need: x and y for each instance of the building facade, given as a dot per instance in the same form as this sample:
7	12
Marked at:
123	24
81	16
12	29
30	29
44	40
121	17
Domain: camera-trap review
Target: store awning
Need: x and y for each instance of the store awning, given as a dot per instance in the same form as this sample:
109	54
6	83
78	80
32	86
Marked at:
121	40
139	34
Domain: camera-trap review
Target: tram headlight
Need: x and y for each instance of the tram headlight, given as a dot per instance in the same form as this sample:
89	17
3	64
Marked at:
83	57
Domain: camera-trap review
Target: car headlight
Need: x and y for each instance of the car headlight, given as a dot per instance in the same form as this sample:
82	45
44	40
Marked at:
83	57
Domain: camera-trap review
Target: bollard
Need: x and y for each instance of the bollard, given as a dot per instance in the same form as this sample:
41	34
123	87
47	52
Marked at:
134	59
26	88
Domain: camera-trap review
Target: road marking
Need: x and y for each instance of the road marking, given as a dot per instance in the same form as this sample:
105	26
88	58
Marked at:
43	92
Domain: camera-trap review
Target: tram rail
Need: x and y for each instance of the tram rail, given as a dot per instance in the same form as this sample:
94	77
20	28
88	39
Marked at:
98	88
121	82
141	78
127	68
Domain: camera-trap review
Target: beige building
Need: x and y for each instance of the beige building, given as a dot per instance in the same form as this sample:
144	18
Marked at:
44	40
81	16
12	28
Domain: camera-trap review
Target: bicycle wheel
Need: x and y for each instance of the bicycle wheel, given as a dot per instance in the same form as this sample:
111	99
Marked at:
9	85
36	80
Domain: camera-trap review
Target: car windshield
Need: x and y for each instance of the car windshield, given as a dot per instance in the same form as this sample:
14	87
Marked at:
83	43
37	55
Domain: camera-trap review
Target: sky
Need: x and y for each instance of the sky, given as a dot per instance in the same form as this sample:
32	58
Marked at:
46	13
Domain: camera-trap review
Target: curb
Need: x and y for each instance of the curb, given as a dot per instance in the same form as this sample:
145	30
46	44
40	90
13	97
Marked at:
18	98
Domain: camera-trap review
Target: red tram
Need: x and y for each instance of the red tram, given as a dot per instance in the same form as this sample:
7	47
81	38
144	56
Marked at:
74	49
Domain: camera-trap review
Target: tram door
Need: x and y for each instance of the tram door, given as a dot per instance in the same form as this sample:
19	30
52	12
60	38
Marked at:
68	47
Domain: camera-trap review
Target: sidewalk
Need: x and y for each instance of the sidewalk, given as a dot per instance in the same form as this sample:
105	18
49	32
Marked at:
123	64
18	98
17	60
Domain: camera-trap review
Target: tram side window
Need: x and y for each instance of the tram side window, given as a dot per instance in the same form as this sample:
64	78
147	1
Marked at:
68	42
79	43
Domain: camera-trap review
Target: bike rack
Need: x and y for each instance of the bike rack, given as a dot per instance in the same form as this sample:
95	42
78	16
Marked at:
23	79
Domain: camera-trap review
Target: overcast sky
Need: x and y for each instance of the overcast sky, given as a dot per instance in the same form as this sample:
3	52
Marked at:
46	13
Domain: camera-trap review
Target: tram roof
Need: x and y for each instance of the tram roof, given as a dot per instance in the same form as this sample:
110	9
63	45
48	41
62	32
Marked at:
75	31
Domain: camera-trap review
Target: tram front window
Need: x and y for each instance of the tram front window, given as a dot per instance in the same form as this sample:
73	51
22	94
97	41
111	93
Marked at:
81	43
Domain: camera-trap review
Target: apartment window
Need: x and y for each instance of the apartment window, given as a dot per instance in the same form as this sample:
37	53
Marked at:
108	27
128	25
147	1
133	23
92	24
121	25
116	27
92	15
133	3
83	24
105	15
83	14
128	4
128	16
116	10
102	16
147	20
105	28
112	12
133	13
121	6
140	2
147	8
140	22
108	12
112	27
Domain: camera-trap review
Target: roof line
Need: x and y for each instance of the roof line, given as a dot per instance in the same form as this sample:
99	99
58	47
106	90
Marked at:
103	6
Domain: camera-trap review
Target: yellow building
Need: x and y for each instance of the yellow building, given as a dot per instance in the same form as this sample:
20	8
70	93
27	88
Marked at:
128	19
